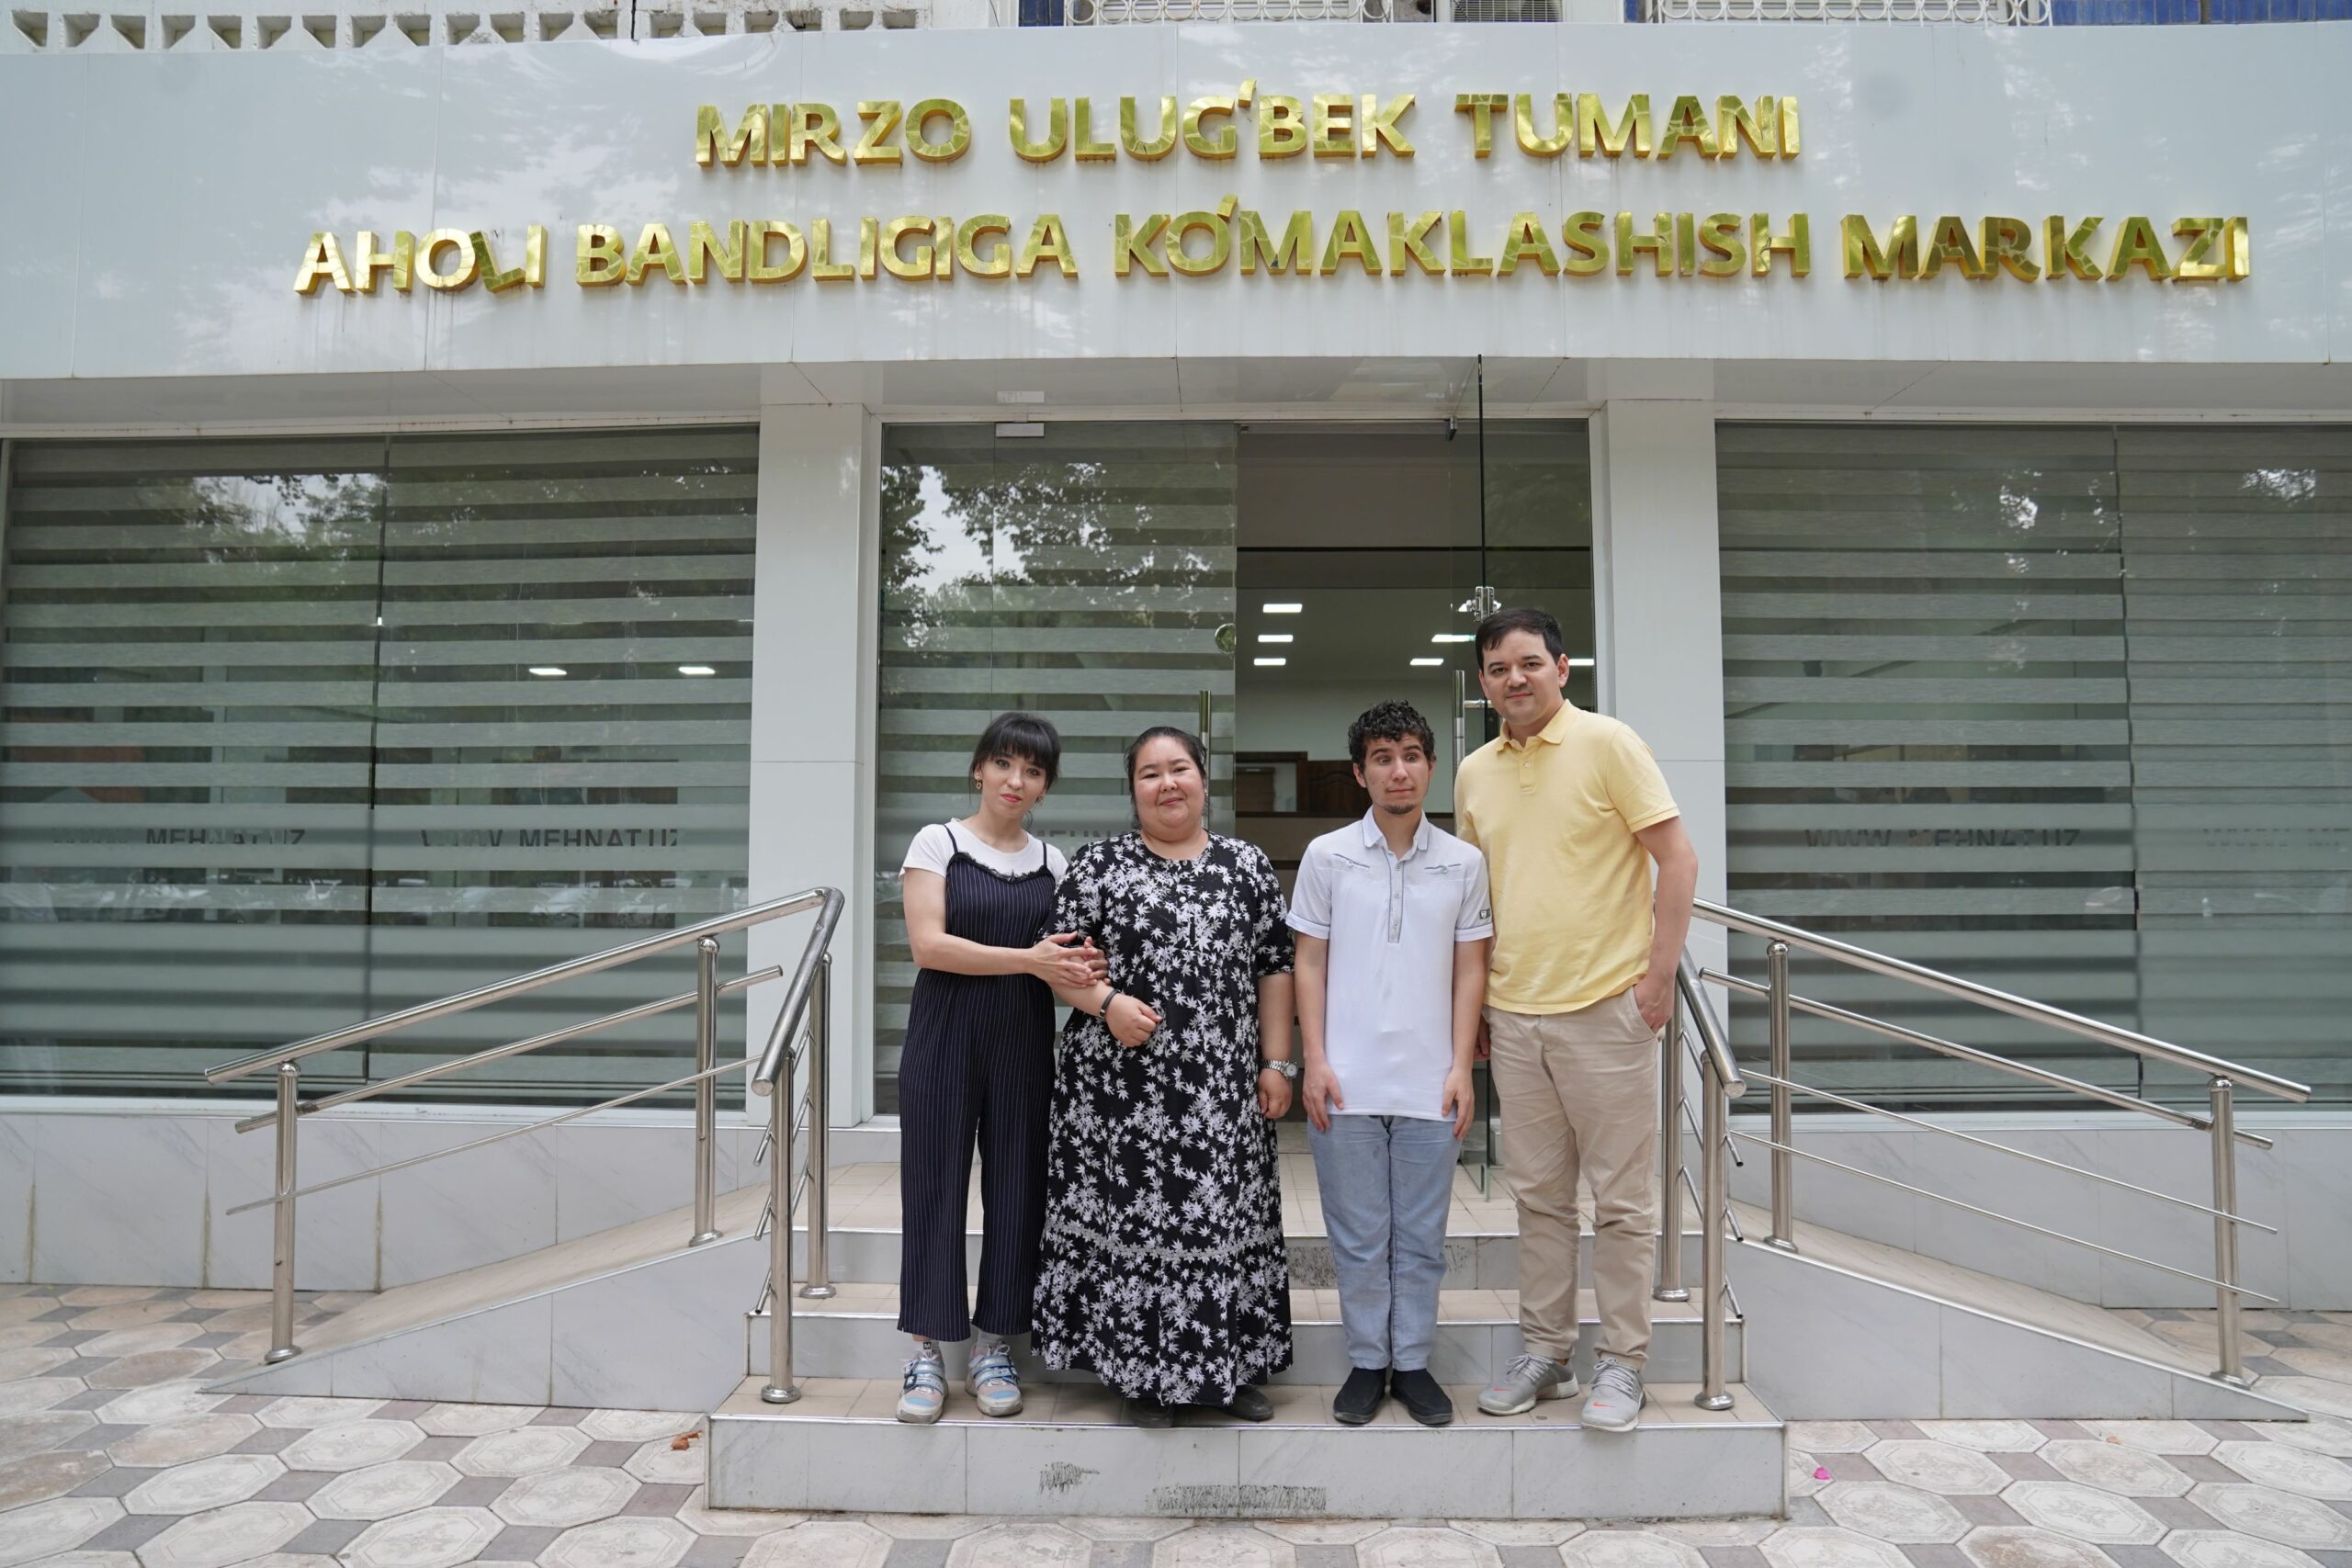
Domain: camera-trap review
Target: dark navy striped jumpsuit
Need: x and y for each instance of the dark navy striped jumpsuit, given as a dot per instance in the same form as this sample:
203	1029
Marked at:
978	1062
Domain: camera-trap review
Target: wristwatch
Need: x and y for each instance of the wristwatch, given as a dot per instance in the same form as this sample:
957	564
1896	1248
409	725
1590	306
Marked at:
1287	1068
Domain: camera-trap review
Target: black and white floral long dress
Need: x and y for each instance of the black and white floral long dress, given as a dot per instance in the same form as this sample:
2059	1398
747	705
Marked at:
1163	1270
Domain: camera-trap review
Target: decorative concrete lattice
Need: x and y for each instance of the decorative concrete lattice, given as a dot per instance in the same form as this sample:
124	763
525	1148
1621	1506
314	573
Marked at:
192	25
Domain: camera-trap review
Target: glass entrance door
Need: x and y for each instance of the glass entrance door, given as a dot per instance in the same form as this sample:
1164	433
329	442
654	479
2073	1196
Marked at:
1082	573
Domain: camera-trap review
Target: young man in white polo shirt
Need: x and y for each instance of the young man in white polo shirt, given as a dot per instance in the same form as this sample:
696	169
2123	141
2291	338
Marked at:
1392	926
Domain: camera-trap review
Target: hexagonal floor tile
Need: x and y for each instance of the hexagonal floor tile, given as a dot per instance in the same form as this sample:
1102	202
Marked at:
576	1495
1320	1532
2155	1436
1629	1549
1223	1546
821	1543
315	1410
656	1460
1889	1511
620	1544
431	1538
184	1440
1803	1547
39	1362
1830	1437
52	1474
1519	1532
2321	1435
2277	1516
2012	1546
133	1341
27	1394
927	1527
636	1426
2288	1469
150	1367
1022	1546
58	1525
2227	1549
1986	1437
21	1437
1750	1531
1410	1546
2313	1394
2084	1512
109	1295
234	1534
352	1445
524	1450
22	1335
165	1402
703	1520
207	1483
381	1491
1116	1528
2111	1467
1938	1467
476	1420
101	1320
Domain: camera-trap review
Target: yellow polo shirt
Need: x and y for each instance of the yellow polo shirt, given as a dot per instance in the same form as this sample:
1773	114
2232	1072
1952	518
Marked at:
1555	818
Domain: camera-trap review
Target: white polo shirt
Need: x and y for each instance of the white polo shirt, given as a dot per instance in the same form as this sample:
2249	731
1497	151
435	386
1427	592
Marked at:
1392	924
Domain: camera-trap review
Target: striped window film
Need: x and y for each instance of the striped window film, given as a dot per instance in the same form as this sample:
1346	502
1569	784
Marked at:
1082	575
1970	674
274	754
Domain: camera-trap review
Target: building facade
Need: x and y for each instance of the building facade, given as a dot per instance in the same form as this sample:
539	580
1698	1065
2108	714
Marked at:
463	506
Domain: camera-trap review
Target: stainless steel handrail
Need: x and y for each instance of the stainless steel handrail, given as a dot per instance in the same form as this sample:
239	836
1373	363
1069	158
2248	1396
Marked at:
466	1001
1720	1082
783	1112
811	973
2220	1124
1952	1048
1919	975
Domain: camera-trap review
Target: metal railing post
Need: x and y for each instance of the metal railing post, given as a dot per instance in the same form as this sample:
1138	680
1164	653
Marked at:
821	1041
2225	1229
1776	976
1714	1209
1671	1287
705	1092
281	1261
783	1106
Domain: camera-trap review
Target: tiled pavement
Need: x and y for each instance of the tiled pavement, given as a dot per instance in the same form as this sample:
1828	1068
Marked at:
111	1455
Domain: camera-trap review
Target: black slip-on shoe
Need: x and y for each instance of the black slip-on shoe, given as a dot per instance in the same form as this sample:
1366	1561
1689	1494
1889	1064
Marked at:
1249	1405
1423	1397
1359	1398
1147	1412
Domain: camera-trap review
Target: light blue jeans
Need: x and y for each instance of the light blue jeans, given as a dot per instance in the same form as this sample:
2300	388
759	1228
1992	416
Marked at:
1386	1181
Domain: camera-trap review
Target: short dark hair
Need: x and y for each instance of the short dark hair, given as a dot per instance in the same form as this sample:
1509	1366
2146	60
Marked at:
1024	735
1162	732
1502	623
1389	721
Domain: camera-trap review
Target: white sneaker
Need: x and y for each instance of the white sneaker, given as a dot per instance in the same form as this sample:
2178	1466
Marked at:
924	1395
1525	1380
1616	1402
993	1381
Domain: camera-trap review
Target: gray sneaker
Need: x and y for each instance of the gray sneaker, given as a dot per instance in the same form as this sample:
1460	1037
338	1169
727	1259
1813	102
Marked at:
992	1378
1616	1402
1525	1380
924	1394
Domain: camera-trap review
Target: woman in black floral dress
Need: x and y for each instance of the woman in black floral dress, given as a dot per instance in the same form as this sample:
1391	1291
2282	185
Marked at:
1163	1270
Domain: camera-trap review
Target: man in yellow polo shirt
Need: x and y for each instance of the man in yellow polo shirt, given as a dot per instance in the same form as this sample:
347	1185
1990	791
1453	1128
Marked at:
1570	810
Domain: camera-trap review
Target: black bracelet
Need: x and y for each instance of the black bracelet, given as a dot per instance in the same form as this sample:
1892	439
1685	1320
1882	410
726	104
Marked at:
1105	1014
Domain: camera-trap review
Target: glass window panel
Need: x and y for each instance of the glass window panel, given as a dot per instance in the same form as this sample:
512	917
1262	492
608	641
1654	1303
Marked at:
288	684
1082	575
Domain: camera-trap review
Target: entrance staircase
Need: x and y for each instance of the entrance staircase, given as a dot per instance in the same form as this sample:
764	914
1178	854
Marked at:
1783	1320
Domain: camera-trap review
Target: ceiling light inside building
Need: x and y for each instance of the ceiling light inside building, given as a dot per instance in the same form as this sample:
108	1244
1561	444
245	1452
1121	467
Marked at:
1275	636
1282	609
1270	663
1426	661
1452	636
696	670
550	670
1579	663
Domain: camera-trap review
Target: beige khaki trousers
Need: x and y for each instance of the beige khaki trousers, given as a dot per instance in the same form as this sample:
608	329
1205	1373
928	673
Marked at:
1578	1096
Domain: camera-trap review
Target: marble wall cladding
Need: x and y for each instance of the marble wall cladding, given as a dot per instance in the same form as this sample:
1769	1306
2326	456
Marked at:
337	1232
2303	1186
15	1201
1826	1346
117	1200
499	1357
662	1336
611	1176
468	1209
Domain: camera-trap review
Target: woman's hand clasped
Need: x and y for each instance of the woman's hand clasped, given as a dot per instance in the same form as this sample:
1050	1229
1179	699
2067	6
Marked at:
1131	1022
1069	959
1273	1094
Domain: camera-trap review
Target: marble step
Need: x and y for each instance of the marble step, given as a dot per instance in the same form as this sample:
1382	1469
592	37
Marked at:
1068	1453
856	1334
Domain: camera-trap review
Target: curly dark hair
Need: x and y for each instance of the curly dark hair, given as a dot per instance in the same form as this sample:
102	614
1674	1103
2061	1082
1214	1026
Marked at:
1389	721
